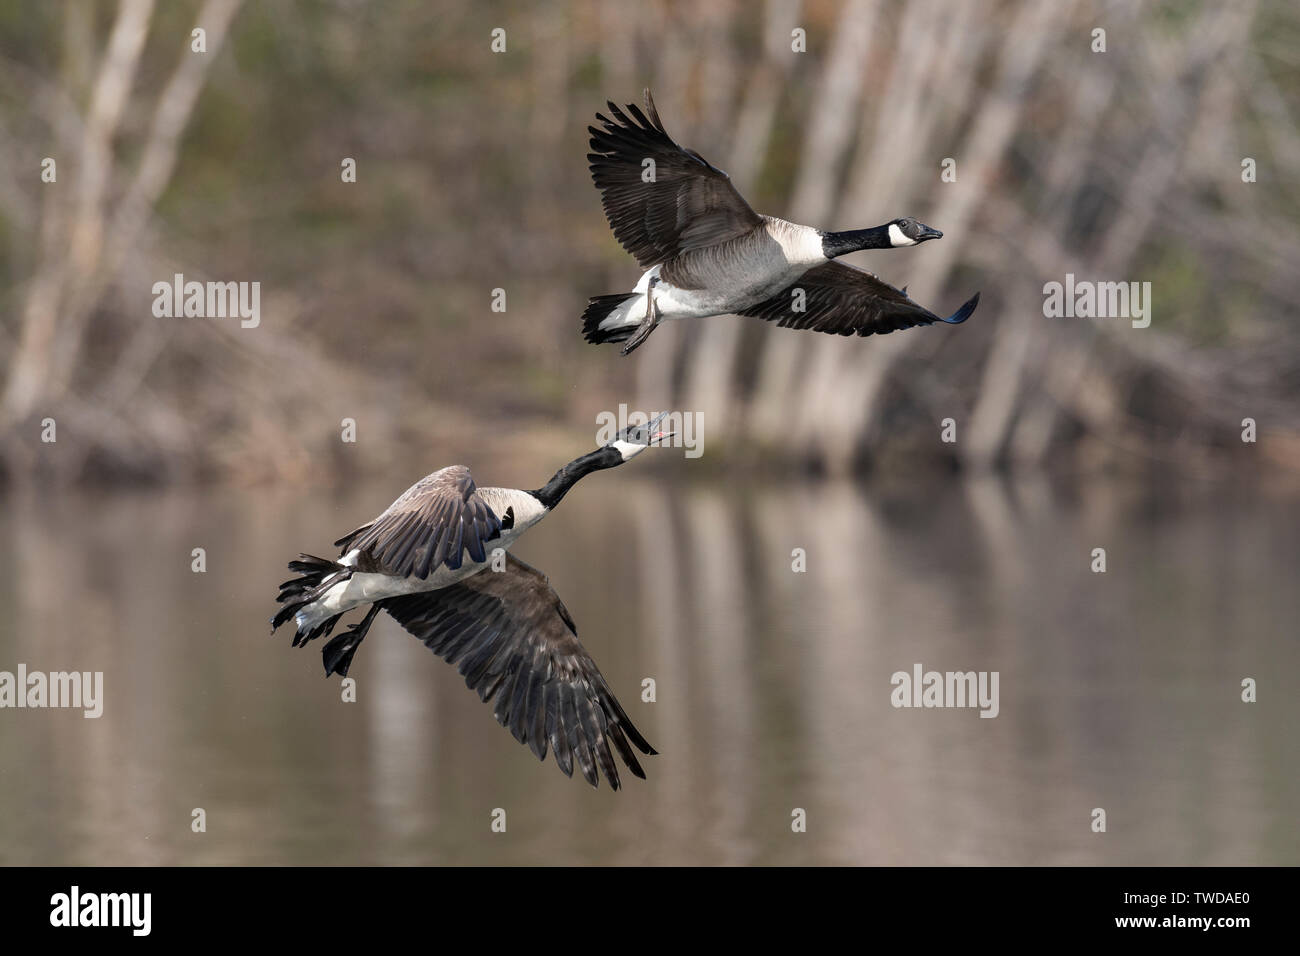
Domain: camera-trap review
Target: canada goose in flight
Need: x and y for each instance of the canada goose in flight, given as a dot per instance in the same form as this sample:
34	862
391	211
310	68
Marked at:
708	253
427	561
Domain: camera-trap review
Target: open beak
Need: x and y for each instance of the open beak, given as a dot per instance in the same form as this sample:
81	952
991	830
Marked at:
652	426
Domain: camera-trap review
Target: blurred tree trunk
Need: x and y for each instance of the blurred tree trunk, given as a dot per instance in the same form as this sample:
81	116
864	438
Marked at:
709	376
834	118
77	263
74	249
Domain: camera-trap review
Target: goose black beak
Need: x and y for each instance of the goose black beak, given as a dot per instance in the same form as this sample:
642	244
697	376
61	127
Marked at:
657	437
928	233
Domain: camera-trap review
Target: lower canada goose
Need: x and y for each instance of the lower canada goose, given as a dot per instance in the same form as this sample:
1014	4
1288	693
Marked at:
708	253
428	562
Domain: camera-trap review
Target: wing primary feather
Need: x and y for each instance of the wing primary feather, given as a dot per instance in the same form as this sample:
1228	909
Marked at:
578	743
511	639
559	735
624	751
596	728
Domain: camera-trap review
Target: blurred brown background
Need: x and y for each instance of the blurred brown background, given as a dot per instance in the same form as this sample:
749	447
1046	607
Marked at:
1122	166
1119	690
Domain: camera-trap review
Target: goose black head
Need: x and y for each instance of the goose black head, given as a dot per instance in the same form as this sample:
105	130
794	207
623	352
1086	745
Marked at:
908	232
634	439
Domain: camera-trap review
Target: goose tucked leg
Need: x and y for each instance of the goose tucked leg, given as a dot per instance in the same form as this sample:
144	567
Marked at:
338	652
651	319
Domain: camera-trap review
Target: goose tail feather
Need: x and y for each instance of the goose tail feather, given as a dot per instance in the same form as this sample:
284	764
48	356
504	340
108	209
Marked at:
598	310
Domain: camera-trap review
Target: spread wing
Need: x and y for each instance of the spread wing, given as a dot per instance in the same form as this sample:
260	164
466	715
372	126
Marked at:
436	521
688	204
514	643
844	300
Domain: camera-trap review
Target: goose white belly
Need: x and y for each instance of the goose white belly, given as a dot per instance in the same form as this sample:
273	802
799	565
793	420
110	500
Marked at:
367	587
724	297
674	303
364	587
726	279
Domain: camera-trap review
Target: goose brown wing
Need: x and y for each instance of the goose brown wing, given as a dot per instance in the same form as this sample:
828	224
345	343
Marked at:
843	300
510	637
437	521
687	204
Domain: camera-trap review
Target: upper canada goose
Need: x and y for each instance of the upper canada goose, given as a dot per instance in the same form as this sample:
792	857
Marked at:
426	562
709	253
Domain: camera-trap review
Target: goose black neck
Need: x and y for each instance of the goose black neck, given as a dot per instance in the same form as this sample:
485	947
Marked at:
564	479
842	243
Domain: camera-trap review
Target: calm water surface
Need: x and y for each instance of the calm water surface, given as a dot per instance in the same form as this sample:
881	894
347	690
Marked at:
1118	690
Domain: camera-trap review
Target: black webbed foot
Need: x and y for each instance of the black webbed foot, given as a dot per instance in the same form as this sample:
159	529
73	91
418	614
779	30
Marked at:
338	651
648	323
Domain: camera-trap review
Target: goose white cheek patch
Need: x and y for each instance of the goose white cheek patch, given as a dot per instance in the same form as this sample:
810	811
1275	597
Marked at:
628	449
896	237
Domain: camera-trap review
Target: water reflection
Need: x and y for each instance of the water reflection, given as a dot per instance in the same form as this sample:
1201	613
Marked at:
1118	690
